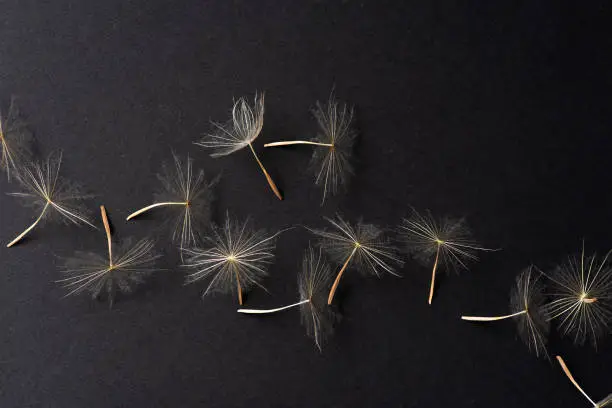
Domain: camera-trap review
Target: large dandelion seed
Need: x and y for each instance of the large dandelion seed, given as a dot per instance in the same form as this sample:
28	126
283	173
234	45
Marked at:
332	146
313	282
122	271
582	289
235	255
606	402
15	140
527	304
240	132
187	192
363	246
446	241
53	197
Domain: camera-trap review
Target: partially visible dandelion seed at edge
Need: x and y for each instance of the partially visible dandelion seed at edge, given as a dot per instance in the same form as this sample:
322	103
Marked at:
606	402
15	140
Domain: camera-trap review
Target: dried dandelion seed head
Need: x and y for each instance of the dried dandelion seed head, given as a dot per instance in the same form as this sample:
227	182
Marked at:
331	162
15	141
53	197
89	271
314	281
188	193
366	244
527	302
235	256
425	236
240	131
582	293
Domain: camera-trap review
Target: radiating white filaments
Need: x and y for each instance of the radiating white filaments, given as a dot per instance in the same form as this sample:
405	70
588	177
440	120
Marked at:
53	197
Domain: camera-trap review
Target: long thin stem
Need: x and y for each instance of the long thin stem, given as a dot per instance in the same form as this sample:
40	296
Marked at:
239	287
265	172
278	309
493	318
31	227
295	142
145	209
433	275
332	292
108	235
571	378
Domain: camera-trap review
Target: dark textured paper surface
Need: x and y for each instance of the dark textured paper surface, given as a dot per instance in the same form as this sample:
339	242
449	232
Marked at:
498	113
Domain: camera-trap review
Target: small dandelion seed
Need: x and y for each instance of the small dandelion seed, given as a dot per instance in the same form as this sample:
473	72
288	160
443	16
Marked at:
189	193
582	293
527	305
122	271
446	241
53	197
332	147
234	255
241	131
313	282
363	246
606	402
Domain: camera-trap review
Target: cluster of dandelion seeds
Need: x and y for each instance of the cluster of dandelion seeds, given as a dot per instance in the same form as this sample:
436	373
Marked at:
582	293
313	283
333	146
15	141
363	247
527	306
50	195
444	241
235	256
120	270
189	195
241	131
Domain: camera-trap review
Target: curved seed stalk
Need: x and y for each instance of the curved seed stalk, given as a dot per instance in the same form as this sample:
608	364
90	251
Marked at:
268	311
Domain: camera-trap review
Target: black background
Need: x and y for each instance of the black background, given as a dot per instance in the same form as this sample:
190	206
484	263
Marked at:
498	113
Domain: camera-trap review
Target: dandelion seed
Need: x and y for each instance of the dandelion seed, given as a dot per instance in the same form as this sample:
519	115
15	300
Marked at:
527	304
447	240
333	146
240	132
53	197
190	193
236	257
582	289
122	270
15	140
313	283
606	402
363	246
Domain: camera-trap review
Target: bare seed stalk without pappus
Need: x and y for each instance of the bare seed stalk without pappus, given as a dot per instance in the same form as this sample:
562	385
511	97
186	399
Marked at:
187	192
446	240
313	283
606	402
15	140
333	145
50	195
363	246
235	255
527	304
122	270
240	132
582	289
